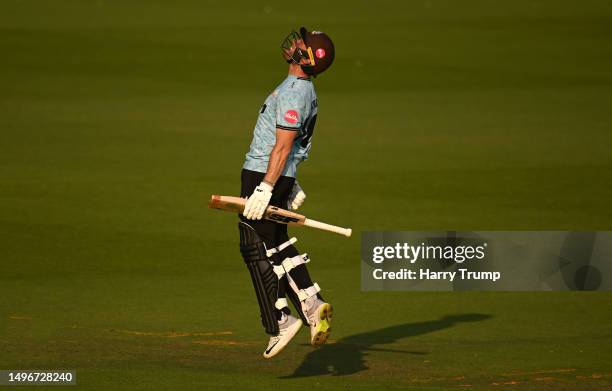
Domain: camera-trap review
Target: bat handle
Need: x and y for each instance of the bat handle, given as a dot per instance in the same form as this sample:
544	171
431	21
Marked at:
328	227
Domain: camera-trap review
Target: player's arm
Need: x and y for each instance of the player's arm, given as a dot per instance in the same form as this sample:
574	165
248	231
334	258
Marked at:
276	164
259	200
290	111
279	155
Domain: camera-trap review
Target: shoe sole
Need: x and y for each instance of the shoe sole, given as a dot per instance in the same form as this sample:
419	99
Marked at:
280	348
324	328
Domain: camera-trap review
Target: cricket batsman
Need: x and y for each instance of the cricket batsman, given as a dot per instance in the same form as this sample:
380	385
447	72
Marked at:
281	141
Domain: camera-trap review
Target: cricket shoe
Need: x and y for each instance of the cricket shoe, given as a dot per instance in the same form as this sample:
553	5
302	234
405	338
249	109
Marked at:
319	314
288	328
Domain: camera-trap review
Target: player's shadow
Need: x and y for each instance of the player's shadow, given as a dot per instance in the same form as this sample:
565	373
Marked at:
346	356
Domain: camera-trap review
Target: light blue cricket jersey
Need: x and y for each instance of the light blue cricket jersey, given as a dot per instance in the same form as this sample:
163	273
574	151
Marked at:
292	106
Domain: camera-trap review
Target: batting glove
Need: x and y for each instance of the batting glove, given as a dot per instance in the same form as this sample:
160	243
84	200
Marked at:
258	202
297	197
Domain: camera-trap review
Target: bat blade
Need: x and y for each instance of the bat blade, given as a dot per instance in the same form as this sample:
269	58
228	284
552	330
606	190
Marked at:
227	203
273	213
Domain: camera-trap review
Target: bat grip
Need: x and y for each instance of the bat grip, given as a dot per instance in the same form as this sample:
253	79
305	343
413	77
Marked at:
328	227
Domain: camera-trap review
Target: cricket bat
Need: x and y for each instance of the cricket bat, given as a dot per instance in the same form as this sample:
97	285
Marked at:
273	213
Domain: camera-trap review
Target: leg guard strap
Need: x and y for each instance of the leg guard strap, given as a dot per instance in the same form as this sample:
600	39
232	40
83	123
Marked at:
290	263
307	293
281	303
280	247
279	271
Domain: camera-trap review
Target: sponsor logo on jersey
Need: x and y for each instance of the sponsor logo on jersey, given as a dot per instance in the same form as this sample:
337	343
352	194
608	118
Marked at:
291	116
320	53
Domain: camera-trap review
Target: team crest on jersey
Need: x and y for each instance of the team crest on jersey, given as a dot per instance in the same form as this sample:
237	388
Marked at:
291	116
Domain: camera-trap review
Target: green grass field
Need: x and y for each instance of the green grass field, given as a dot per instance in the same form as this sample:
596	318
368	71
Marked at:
119	119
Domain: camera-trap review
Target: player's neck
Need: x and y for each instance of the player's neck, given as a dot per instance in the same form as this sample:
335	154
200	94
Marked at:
296	70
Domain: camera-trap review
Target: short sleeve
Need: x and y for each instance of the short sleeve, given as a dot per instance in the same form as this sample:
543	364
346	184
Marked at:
291	111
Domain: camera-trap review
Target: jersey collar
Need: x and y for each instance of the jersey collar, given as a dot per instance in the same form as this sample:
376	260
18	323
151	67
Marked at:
300	78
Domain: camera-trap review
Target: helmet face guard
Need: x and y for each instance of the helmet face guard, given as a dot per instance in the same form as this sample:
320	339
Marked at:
292	51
